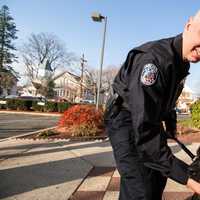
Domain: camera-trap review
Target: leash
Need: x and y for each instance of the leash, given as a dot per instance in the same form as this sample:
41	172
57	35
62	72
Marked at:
187	151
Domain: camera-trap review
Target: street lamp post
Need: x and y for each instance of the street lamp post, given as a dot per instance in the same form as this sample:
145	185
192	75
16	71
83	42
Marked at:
97	17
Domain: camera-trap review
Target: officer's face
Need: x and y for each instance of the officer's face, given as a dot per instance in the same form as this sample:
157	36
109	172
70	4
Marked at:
192	41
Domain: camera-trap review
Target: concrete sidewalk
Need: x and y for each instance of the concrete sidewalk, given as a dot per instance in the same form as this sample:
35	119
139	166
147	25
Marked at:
47	169
39	170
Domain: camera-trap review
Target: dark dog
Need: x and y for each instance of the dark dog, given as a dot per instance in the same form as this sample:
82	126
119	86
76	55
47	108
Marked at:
194	171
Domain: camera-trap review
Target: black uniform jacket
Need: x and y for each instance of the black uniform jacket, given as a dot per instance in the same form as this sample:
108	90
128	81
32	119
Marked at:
151	104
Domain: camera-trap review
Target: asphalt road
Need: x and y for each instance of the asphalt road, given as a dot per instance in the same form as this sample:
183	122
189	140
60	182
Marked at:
17	124
183	116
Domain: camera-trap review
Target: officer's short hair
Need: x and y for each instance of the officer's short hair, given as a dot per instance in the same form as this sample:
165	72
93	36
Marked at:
197	16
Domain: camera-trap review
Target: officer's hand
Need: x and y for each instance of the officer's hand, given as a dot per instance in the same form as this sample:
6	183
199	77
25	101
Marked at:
193	185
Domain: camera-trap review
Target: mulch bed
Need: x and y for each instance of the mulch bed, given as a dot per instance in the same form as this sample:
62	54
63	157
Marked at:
61	135
188	135
190	138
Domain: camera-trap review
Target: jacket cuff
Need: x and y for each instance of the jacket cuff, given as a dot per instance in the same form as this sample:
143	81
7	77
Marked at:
179	171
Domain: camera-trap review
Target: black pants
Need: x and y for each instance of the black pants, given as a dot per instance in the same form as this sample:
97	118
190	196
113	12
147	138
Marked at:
137	181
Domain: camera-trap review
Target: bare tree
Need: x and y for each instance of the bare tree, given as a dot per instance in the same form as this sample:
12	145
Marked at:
108	76
42	47
92	74
93	77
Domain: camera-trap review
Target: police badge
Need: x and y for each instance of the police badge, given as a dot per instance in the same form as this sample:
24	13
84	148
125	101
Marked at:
149	74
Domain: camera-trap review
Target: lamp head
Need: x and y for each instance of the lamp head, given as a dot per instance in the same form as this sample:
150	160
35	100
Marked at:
97	17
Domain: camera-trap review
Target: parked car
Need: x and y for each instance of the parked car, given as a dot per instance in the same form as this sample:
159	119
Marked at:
178	111
60	99
32	98
87	101
11	96
2	97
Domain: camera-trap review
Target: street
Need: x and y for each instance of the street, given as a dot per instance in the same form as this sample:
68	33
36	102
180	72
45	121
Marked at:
183	116
17	124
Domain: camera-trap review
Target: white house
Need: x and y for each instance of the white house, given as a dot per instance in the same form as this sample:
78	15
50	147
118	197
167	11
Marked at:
69	86
27	90
186	99
44	71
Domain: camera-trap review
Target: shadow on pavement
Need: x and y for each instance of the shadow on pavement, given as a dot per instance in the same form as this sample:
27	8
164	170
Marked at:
18	180
27	178
175	148
54	150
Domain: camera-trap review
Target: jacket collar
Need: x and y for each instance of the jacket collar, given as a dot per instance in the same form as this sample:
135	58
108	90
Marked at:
182	65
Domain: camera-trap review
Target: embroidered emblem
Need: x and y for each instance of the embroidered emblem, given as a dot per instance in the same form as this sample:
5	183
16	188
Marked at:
149	74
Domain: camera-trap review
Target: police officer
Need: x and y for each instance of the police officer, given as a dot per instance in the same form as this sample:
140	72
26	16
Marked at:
145	92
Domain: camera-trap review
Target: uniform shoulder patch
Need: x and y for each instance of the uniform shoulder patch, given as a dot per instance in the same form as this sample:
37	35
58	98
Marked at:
149	74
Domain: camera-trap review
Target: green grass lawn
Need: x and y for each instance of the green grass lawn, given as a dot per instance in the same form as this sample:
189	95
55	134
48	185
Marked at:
186	122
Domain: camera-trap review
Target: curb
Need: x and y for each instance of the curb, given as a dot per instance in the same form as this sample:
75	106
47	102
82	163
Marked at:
31	113
63	139
26	134
71	196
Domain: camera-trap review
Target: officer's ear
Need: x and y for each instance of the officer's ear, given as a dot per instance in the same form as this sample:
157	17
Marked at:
188	24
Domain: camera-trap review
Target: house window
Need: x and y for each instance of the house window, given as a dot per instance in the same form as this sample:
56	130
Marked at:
8	91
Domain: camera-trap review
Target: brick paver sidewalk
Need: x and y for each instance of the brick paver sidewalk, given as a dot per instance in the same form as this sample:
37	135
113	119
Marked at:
102	183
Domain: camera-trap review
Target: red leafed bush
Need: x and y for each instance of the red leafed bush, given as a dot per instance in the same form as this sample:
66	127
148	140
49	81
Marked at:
80	118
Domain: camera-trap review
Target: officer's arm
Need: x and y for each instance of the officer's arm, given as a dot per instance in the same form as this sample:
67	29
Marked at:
170	123
146	103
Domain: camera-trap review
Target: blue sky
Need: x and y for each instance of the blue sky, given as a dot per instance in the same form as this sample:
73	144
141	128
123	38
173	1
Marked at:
130	23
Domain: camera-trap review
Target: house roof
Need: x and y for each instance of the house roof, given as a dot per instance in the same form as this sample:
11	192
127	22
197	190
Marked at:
62	73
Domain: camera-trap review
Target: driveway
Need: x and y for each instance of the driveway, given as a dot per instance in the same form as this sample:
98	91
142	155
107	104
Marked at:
17	124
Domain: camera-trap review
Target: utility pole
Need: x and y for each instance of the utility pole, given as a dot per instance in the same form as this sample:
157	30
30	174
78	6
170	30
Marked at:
83	61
